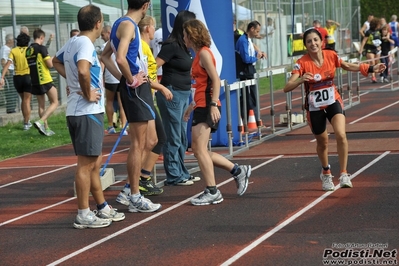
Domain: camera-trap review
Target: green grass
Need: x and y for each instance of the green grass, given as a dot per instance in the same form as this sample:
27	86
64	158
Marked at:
15	141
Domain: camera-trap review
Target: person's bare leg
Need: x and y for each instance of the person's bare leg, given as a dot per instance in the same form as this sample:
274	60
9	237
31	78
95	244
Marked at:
83	179
53	98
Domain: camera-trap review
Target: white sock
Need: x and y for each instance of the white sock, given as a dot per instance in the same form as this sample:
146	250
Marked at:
135	197
106	209
83	213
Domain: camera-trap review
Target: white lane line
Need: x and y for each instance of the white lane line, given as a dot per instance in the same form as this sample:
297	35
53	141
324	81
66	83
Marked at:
50	172
157	214
295	216
372	113
36	211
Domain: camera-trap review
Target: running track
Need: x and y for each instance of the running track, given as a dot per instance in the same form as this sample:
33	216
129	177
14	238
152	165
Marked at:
283	219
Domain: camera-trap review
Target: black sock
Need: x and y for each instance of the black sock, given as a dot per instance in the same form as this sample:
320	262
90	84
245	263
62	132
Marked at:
326	168
235	169
212	189
142	178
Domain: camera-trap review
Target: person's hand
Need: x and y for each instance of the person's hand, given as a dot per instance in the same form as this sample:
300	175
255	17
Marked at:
94	96
379	68
167	94
188	111
307	77
1	82
138	80
215	114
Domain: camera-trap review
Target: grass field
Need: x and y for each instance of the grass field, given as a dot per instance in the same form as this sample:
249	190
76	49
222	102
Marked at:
16	142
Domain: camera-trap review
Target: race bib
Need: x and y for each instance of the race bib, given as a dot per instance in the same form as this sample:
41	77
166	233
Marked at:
322	97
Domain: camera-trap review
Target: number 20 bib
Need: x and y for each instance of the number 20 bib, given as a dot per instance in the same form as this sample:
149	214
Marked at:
321	97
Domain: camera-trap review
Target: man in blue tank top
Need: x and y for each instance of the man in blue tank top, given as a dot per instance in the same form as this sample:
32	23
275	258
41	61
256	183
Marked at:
136	97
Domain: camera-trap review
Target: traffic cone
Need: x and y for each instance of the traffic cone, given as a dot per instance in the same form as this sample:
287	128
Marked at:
251	121
241	126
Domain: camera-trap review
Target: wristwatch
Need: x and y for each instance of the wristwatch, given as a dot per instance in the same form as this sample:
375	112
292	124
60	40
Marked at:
214	104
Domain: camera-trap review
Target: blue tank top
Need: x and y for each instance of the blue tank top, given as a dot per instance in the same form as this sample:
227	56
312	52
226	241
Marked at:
133	50
394	28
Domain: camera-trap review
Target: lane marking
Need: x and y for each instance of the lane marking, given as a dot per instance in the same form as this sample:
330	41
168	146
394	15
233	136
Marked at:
295	216
157	214
372	113
52	171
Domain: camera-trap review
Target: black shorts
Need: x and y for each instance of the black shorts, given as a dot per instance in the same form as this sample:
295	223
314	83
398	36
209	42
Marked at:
87	134
203	115
317	119
41	89
112	87
137	102
22	83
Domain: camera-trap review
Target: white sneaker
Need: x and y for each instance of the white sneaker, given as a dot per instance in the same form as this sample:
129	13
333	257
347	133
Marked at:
345	180
91	221
242	179
326	180
111	215
143	205
123	197
207	198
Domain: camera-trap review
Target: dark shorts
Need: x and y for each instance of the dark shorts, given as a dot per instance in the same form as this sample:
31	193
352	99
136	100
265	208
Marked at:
137	102
203	115
41	89
112	87
22	83
87	134
317	119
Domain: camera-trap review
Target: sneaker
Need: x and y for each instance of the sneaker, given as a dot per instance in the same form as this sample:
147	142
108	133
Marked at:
326	180
194	178
345	180
373	80
382	79
242	179
147	187
113	215
185	183
207	198
49	132
91	221
386	80
39	125
27	126
125	133
123	198
143	205
111	130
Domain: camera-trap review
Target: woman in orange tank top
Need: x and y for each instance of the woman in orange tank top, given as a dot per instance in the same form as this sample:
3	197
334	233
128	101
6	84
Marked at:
206	106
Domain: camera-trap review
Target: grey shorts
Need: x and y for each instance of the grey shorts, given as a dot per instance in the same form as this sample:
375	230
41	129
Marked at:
87	134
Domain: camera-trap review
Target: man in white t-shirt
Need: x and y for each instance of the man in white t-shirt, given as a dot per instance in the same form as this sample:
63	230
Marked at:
77	61
156	45
10	92
366	25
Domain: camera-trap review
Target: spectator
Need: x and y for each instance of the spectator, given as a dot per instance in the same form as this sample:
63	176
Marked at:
323	32
25	29
386	44
206	115
366	25
248	54
394	26
136	96
10	92
22	82
112	89
371	44
156	45
77	61
74	32
40	62
315	70
268	42
175	60
331	27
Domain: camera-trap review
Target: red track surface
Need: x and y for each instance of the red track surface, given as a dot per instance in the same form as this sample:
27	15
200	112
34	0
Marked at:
284	218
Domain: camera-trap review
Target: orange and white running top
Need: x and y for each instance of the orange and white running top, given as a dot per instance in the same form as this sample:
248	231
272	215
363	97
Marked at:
321	91
201	84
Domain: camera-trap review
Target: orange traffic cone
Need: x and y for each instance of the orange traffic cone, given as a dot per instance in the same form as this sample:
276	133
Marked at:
251	121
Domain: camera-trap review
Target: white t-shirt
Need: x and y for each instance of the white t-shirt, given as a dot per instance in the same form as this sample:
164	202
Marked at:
4	53
108	77
156	45
81	48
